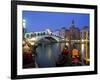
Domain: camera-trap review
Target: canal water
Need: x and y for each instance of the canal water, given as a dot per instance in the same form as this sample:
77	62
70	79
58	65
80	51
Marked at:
47	54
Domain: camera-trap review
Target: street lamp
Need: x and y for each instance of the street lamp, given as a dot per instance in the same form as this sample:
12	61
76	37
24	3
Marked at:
24	27
87	57
24	23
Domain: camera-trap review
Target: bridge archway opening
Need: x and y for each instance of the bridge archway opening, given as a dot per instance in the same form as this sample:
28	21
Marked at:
45	51
46	40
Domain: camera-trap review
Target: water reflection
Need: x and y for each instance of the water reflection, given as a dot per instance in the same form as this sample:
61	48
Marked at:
82	52
47	54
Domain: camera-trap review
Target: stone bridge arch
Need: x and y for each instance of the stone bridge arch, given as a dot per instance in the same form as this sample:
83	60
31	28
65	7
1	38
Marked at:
54	38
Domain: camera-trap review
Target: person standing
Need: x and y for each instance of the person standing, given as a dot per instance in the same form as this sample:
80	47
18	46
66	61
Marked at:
64	58
75	54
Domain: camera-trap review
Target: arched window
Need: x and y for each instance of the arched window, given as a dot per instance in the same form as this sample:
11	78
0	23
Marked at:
43	33
38	34
27	36
32	35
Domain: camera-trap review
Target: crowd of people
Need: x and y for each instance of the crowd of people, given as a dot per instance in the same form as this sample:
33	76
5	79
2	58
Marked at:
29	53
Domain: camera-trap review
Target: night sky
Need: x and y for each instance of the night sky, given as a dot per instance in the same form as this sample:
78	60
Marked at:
39	21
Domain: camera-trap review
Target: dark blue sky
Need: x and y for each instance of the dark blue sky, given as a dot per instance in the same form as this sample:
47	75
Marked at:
39	21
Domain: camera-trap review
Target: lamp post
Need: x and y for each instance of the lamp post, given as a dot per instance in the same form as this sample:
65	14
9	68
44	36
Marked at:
24	27
24	23
86	56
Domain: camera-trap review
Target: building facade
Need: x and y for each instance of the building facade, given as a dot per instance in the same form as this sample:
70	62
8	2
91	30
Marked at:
63	32
85	33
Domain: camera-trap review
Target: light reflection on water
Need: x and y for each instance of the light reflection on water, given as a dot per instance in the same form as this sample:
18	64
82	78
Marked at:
82	52
47	54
